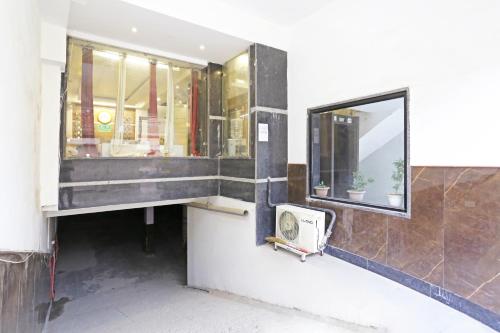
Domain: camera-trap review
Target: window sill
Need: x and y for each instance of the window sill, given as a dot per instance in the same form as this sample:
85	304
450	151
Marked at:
379	210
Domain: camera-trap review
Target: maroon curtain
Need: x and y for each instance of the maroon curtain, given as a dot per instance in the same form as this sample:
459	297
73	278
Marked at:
153	112
194	112
153	108
87	104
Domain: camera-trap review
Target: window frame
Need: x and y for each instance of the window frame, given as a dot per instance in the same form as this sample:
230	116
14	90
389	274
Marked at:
405	212
115	48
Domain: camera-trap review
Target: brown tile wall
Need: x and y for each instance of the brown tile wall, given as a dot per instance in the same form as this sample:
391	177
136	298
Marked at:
297	183
24	292
452	239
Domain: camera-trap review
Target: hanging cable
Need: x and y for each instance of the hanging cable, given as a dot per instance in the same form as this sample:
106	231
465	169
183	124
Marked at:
17	262
52	269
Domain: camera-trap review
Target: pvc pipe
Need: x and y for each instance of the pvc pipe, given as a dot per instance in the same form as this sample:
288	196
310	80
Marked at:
221	209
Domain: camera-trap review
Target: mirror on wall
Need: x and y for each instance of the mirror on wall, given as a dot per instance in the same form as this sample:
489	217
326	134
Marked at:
358	152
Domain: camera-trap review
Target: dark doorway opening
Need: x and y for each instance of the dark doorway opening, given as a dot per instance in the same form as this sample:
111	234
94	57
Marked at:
101	257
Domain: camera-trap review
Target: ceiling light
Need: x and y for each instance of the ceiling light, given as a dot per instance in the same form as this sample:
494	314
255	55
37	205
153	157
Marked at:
177	87
202	47
137	60
243	59
158	99
107	54
134	29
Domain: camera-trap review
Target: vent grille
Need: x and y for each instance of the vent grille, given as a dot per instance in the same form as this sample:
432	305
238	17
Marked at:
289	226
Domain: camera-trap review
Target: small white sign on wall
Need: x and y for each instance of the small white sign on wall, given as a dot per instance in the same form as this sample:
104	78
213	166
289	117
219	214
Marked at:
263	133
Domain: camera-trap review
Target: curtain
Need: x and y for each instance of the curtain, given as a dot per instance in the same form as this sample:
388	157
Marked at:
153	105
194	113
170	117
153	112
87	105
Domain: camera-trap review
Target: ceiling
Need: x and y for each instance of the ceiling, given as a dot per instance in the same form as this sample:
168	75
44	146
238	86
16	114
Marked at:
281	12
154	30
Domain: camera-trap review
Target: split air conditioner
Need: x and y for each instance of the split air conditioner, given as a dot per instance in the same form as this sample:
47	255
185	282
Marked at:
303	228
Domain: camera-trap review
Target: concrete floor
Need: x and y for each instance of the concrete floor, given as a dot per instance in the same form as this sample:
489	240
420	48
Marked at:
106	283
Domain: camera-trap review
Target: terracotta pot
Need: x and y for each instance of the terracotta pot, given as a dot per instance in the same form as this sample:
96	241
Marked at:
321	191
395	199
356	195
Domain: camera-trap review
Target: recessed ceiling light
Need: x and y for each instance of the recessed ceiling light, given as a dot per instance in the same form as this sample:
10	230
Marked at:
158	99
177	87
137	60
202	47
108	55
134	29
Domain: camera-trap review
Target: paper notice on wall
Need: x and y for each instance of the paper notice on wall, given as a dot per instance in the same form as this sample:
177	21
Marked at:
263	132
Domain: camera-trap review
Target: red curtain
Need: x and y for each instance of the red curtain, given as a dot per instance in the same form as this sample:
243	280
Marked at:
153	106
87	104
194	112
153	134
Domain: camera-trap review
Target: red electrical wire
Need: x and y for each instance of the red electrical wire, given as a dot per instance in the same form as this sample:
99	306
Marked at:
52	271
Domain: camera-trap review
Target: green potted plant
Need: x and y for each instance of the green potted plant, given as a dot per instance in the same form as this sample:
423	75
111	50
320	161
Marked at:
359	184
321	189
396	198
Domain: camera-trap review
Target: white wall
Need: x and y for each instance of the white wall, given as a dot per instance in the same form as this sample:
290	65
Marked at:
53	55
222	255
444	51
21	225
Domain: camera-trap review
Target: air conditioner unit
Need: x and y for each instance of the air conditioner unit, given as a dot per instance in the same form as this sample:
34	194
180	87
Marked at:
301	228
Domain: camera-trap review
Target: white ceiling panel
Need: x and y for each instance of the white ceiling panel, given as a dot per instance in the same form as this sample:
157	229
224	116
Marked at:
114	20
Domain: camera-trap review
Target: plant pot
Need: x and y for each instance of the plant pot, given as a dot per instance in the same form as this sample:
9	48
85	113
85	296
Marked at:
321	191
395	199
356	195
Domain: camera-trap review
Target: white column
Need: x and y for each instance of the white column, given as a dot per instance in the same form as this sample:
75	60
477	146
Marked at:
149	215
53	59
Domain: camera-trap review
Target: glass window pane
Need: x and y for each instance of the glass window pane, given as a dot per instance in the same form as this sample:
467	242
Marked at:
235	90
182	100
358	153
120	103
92	90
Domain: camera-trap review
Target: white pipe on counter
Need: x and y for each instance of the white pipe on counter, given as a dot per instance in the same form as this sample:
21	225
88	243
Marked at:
209	206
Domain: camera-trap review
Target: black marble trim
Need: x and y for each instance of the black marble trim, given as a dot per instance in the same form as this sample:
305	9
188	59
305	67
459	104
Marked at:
117	194
440	294
103	169
237	190
237	167
463	305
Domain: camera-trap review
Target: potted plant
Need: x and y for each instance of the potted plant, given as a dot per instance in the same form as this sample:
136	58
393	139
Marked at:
359	184
321	189
396	198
